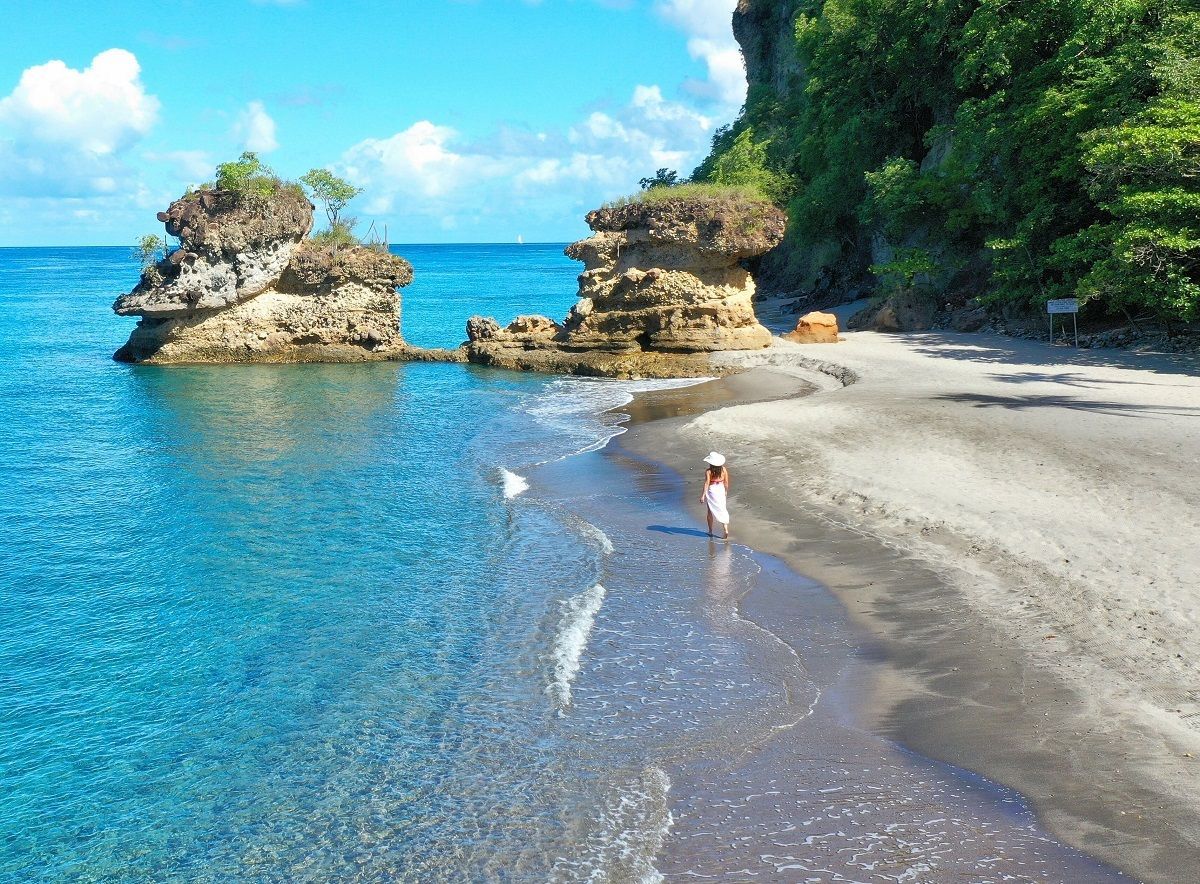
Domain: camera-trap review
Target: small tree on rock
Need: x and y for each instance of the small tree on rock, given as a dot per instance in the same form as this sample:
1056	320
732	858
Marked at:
664	177
331	191
151	249
248	177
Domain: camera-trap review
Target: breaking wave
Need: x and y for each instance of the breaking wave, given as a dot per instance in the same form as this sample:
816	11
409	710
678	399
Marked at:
513	484
570	641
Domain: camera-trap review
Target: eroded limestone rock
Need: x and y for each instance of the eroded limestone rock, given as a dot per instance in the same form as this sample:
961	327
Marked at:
246	287
902	311
230	250
661	279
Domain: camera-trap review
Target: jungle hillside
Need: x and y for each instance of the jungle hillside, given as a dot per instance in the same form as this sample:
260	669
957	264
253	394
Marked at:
998	151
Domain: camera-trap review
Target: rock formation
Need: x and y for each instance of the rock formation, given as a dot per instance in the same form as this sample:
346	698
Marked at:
663	286
815	328
246	286
902	311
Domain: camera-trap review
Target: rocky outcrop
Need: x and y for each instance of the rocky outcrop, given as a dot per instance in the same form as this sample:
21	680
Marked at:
815	328
245	286
230	250
903	311
663	286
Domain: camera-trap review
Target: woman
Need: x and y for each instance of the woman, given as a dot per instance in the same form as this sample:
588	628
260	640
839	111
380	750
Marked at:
716	487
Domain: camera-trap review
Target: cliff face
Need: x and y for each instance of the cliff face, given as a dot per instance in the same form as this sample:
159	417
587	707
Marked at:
766	31
662	286
245	286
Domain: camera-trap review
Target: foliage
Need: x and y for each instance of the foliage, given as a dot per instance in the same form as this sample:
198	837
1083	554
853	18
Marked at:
906	265
717	194
150	249
248	178
1058	138
744	164
331	191
664	177
339	235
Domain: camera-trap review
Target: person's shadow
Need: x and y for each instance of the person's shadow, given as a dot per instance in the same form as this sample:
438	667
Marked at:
686	532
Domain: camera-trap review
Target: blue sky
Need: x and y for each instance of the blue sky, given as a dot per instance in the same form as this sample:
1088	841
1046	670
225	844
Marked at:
463	120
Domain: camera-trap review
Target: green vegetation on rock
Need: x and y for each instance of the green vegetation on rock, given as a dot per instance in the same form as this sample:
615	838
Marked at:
250	178
251	181
734	196
331	191
664	177
1016	149
148	252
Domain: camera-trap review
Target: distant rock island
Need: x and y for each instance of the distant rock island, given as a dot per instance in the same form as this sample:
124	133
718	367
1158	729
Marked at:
663	287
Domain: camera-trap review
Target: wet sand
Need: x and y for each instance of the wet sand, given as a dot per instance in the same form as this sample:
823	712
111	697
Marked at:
736	754
949	680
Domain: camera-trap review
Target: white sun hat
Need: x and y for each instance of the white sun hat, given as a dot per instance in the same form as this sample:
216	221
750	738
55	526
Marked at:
714	459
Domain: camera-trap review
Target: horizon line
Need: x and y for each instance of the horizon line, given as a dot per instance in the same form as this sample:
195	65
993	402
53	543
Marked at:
464	243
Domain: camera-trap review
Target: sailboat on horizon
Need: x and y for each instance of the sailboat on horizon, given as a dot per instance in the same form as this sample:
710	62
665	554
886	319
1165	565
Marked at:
520	240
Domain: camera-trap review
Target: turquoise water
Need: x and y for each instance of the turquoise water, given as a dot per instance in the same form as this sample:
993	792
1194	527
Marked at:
232	601
389	622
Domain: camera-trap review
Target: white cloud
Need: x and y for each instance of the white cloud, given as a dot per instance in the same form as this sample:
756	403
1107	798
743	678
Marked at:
708	26
432	175
101	109
63	131
254	129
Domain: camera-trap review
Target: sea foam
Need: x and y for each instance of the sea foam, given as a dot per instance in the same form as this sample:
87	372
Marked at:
570	641
513	484
579	411
599	537
627	832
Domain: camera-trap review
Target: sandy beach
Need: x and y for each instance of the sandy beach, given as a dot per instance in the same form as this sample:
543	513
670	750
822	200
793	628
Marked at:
1013	526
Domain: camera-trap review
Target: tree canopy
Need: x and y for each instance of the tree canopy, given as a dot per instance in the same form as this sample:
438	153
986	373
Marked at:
664	177
1057	142
331	191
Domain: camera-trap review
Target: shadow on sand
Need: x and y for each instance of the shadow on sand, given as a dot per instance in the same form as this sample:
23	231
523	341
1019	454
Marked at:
1023	403
1015	352
686	532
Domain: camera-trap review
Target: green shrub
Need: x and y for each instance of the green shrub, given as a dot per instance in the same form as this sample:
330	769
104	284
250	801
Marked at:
664	177
339	235
718	194
249	179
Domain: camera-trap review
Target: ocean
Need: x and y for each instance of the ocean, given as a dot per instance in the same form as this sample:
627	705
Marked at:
409	622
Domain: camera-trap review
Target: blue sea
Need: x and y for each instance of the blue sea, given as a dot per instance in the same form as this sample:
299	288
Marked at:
409	622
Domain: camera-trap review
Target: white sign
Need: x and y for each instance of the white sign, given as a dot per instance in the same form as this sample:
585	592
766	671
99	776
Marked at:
1063	305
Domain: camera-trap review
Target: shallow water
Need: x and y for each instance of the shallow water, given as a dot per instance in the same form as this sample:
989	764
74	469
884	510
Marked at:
375	622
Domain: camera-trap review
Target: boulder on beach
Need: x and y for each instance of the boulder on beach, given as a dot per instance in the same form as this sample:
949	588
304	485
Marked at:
815	328
663	278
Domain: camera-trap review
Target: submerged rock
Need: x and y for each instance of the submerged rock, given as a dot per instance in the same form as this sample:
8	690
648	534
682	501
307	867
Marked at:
245	286
663	285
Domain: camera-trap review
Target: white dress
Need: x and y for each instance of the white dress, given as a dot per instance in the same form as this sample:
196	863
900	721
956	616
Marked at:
715	498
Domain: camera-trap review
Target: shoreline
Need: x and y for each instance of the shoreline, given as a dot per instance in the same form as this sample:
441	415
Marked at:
953	683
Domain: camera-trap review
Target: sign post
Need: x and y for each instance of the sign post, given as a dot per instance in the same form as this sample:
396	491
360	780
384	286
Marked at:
1064	305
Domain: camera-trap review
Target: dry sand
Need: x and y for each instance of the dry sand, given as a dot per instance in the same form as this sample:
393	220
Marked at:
1016	525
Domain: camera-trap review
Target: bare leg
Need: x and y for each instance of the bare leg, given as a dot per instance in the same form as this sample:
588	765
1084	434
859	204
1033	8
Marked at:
726	527
708	512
